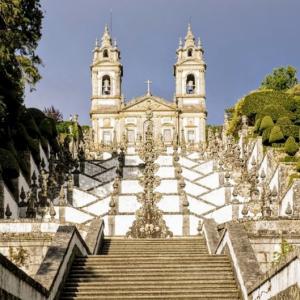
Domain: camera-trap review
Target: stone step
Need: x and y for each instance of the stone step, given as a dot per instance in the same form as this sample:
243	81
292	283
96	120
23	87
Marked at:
159	292
178	296
162	282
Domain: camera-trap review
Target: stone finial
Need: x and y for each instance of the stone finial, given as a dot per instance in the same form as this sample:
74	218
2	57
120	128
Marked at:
62	197
22	197
106	40
8	212
183	143
288	209
52	211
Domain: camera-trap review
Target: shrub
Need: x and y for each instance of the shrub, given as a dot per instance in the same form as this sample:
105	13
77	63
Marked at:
290	146
266	122
266	136
284	121
255	102
257	125
274	111
290	130
37	115
275	135
30	125
46	128
10	166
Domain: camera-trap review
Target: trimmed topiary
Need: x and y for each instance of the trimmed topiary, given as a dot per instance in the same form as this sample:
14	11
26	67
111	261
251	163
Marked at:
266	136
290	130
274	111
276	135
284	121
257	125
266	122
290	146
10	166
255	102
37	115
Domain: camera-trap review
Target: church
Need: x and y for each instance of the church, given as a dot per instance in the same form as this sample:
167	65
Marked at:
184	118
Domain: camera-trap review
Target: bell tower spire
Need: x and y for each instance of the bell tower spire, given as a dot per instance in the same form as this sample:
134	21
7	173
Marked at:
107	72
190	94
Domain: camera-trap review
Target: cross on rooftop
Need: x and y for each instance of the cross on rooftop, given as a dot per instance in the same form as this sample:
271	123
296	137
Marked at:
148	82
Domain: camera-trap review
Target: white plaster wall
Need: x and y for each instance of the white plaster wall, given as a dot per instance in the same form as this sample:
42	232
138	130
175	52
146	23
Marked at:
198	206
128	203
9	199
285	278
132	160
211	181
123	223
164	160
23	183
130	187
167	186
104	190
189	174
81	198
205	168
221	215
131	171
169	203
288	198
194	189
87	182
166	172
44	156
216	197
99	208
34	166
194	221
174	222
187	162
73	215
275	180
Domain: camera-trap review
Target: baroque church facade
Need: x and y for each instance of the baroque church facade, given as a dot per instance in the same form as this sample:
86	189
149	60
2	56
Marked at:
114	121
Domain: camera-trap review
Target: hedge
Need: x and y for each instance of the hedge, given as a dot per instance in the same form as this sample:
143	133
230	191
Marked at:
284	121
290	146
255	102
266	122
274	111
290	130
275	135
9	164
30	125
37	115
266	136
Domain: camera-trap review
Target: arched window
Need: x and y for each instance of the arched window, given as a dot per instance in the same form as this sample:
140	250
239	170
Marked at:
105	53
106	85
190	84
190	52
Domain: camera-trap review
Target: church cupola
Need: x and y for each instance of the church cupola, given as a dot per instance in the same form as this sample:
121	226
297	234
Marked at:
190	94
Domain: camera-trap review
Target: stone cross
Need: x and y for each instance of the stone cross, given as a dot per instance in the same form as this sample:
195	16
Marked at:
148	82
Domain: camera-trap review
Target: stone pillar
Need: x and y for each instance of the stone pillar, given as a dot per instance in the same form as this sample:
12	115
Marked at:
235	209
70	189
111	225
76	177
296	198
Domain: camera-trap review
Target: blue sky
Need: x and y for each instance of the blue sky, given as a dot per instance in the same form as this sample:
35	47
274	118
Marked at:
243	41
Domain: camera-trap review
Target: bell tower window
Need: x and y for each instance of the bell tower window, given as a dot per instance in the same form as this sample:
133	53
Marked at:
105	53
190	53
106	85
190	84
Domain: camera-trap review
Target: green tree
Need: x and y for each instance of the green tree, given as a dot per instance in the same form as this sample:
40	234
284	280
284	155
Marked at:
280	79
290	146
276	135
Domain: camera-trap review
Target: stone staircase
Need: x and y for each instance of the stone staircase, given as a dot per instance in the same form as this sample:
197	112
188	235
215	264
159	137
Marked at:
177	268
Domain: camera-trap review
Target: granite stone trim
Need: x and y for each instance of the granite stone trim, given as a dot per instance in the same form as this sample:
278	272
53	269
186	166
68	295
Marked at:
11	267
242	255
209	228
95	235
57	255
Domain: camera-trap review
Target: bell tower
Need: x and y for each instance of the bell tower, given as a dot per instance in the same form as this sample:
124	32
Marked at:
190	95
107	72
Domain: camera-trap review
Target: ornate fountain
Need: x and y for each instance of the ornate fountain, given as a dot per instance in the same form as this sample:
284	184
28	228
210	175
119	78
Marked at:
149	222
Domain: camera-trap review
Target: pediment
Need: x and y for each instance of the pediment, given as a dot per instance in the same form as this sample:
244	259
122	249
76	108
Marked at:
142	103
